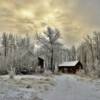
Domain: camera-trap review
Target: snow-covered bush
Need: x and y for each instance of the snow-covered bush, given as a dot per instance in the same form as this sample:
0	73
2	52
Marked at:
47	73
81	73
12	73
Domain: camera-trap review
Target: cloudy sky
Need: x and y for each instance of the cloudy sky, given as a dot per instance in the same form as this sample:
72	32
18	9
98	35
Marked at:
74	18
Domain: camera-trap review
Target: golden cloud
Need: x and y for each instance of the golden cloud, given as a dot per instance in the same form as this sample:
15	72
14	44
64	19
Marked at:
30	16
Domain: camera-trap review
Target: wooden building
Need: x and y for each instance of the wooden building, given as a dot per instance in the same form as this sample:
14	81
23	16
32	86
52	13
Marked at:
41	63
30	63
70	67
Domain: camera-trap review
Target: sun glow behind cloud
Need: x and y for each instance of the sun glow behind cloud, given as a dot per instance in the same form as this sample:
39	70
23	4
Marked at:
24	13
30	16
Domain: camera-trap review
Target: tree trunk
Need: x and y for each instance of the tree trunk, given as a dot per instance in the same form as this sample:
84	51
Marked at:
5	48
52	66
93	67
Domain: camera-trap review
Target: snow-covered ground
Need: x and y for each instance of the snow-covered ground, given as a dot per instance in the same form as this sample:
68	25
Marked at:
24	87
70	87
61	87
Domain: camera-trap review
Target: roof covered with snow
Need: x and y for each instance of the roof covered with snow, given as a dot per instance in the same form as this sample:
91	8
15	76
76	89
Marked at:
69	63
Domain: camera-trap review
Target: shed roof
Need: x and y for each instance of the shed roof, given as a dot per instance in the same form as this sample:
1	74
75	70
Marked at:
69	63
41	57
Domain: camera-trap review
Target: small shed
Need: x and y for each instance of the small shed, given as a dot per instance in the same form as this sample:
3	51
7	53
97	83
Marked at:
41	63
70	67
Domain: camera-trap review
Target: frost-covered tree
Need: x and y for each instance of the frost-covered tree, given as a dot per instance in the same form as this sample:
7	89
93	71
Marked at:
49	40
90	53
5	43
73	53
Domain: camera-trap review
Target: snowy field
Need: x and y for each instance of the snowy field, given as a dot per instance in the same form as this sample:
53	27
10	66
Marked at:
61	87
24	87
70	87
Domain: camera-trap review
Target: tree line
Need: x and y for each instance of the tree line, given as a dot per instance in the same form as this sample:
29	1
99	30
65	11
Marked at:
18	53
89	54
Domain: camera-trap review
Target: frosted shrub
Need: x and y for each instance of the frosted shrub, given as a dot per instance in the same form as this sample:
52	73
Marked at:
12	73
81	73
47	73
93	74
98	73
